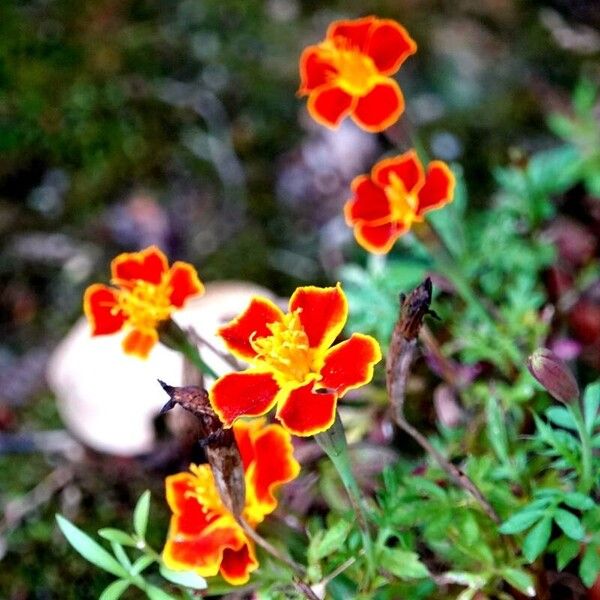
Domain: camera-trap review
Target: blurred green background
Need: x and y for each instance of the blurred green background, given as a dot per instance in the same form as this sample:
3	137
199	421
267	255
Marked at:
129	122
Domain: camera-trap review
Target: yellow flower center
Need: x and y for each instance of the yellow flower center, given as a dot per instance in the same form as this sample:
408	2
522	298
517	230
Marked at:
146	304
205	492
403	204
286	350
356	72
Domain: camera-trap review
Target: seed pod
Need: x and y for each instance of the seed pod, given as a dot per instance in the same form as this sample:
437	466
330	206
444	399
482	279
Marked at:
553	374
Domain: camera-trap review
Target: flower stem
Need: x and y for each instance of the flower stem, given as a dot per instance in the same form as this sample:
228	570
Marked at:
333	443
586	481
172	336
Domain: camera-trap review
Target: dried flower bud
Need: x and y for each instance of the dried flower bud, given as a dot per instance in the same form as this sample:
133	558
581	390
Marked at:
553	374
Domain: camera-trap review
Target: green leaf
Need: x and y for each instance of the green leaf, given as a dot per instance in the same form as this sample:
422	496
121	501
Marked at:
140	514
496	429
121	555
402	563
118	536
569	523
578	500
537	539
115	590
521	520
323	545
568	549
187	579
562	417
591	404
590	565
143	562
520	579
155	593
89	549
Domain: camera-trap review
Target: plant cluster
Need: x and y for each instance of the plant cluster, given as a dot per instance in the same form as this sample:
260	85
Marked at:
507	490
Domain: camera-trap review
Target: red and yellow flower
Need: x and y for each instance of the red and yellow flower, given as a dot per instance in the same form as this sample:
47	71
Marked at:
203	535
396	194
349	73
292	362
146	292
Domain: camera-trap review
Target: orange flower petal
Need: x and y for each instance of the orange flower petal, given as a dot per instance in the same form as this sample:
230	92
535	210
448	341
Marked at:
349	365
184	283
203	553
237	565
389	45
99	303
438	188
305	412
351	33
407	168
328	105
190	518
322	312
369	203
274	464
252	323
244	432
246	394
148	265
380	108
315	71
379	239
139	343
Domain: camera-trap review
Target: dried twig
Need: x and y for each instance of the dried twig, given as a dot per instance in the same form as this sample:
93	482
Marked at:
402	351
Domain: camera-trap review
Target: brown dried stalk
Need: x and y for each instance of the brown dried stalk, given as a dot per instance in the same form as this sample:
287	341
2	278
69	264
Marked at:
402	351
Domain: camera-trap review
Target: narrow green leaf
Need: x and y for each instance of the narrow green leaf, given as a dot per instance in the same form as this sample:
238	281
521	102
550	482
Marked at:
402	563
521	521
520	579
578	501
568	549
537	539
140	514
121	555
589	569
562	417
89	549
570	524
143	562
155	593
591	404
115	590
118	536
187	579
496	429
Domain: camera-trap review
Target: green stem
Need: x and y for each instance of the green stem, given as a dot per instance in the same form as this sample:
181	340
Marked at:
333	443
172	336
586	480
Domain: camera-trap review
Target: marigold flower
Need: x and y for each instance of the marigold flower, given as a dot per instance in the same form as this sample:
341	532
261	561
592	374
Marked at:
396	194
349	73
203	535
145	293
291	362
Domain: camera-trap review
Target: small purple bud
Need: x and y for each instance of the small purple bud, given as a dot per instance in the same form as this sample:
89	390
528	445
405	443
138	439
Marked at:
553	374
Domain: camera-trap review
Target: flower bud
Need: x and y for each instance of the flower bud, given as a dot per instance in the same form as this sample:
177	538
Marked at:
553	374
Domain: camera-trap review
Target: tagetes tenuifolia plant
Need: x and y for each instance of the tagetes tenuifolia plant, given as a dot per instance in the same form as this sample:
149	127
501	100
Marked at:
144	293
396	194
203	535
292	362
349	73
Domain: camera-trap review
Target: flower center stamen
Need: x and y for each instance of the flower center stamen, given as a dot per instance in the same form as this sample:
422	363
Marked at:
403	204
146	304
356	72
287	350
